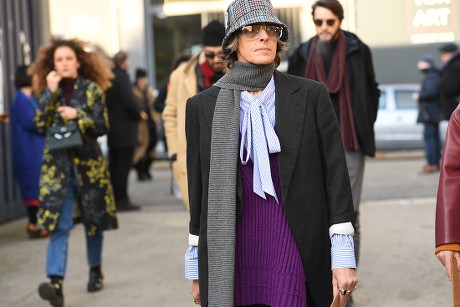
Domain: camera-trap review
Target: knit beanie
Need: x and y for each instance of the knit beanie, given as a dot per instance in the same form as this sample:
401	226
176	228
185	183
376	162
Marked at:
140	73
427	58
213	33
21	78
449	47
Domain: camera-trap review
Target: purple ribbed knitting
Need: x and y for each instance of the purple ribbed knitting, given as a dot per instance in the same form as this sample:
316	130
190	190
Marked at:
268	267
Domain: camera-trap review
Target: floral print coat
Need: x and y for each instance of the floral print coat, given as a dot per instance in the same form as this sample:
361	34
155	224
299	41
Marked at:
95	189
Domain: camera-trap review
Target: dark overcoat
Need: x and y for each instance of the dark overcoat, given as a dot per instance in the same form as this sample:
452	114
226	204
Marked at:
449	85
95	189
364	88
429	97
315	186
123	110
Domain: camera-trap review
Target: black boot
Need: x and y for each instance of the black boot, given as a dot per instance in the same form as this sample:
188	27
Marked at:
52	292
96	280
147	163
140	170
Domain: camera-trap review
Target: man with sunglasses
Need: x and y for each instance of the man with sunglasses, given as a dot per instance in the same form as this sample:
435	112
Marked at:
343	62
190	78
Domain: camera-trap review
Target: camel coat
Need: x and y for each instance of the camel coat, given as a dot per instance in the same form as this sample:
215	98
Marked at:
183	82
143	137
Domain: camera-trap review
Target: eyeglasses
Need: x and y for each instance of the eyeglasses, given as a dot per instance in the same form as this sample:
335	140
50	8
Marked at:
211	55
319	22
253	31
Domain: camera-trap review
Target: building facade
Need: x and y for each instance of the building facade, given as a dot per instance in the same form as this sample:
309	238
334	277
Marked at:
153	32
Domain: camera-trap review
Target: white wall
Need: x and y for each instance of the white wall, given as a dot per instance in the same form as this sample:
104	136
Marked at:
112	24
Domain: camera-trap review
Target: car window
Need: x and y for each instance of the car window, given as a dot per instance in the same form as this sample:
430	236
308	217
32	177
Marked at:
404	100
382	100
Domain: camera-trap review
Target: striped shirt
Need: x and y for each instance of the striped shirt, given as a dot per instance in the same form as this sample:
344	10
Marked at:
257	115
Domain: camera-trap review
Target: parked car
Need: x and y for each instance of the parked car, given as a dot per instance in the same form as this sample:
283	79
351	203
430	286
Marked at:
396	126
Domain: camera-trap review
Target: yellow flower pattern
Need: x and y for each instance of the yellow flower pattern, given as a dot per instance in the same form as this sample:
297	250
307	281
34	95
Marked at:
86	163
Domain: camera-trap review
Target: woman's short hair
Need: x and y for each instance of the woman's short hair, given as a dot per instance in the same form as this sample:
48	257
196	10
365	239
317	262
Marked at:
120	57
229	55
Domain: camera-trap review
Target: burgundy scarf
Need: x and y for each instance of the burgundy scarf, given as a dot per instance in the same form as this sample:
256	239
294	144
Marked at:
208	73
67	88
336	82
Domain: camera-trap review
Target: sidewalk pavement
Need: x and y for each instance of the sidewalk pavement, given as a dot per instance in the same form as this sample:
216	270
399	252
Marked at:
143	259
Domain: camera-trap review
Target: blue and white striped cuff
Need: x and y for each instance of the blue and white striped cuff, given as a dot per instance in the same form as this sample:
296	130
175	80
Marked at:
342	252
191	263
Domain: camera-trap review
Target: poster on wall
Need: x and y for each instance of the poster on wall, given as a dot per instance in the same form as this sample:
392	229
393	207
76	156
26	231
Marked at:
432	21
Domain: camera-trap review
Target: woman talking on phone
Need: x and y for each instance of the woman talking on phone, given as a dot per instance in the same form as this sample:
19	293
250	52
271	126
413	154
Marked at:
70	82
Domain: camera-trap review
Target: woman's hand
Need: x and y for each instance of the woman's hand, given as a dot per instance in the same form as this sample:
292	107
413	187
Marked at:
52	80
444	257
67	113
196	291
344	279
144	115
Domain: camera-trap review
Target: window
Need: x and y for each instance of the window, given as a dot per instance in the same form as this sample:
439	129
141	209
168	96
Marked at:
404	100
382	100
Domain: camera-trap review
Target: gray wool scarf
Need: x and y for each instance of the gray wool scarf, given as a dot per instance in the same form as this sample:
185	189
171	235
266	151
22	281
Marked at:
223	177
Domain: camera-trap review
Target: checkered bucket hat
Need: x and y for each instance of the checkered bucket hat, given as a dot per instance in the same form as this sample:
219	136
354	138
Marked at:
241	13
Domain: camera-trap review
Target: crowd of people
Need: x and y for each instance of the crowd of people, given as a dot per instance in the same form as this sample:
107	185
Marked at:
65	100
257	155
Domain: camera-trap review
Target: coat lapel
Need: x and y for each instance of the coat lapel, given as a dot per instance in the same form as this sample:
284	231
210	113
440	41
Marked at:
210	105
290	114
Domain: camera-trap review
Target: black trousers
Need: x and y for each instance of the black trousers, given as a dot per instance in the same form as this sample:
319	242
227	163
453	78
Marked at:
120	161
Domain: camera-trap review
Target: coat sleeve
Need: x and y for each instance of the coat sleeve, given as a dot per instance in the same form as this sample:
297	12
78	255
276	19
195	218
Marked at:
450	80
170	115
48	104
337	182
194	171
429	90
93	120
371	82
127	96
448	197
24	114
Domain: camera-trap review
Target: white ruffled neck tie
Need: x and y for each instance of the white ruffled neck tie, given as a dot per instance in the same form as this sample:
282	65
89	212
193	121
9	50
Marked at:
259	138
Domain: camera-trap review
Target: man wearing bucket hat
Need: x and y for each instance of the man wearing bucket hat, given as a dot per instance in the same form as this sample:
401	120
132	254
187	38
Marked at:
270	200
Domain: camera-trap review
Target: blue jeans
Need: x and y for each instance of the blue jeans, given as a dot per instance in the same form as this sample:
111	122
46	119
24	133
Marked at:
56	260
432	141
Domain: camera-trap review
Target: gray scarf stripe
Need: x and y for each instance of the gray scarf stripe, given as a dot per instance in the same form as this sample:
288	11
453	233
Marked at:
222	177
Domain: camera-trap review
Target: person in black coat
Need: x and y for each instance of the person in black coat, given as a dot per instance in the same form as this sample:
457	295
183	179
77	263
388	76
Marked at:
124	114
343	62
429	112
449	85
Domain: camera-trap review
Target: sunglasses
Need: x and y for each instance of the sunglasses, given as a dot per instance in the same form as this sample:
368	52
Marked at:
211	55
253	31
319	22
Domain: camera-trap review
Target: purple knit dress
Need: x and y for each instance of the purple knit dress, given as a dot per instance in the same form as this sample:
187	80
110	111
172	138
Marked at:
268	267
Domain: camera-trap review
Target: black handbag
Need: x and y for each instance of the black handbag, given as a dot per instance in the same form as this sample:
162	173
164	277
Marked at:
423	115
63	136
